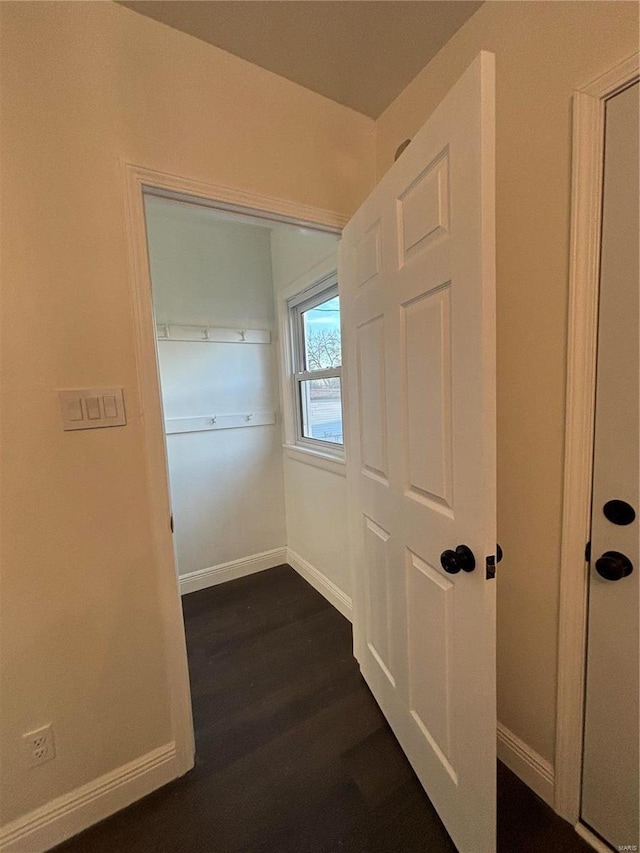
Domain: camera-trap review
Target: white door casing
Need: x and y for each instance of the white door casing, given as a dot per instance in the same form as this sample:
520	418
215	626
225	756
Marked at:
417	278
589	105
610	799
138	180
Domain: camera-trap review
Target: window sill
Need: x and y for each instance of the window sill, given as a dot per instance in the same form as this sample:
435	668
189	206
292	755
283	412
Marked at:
316	458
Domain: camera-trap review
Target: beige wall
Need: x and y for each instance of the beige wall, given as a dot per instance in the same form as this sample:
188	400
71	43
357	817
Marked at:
316	499
544	51
83	85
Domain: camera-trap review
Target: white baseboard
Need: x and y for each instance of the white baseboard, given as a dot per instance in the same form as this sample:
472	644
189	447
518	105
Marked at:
593	840
267	560
340	600
230	571
68	815
535	771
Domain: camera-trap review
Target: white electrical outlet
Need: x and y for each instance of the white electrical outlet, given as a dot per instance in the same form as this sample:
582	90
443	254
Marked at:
39	746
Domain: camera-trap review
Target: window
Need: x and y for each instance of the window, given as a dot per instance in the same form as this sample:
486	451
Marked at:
317	365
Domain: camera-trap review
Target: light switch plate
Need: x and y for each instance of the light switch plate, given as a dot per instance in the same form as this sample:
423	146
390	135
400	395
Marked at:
92	408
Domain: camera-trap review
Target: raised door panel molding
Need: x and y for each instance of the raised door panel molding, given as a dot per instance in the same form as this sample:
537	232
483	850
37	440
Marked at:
426	323
423	209
376	592
372	396
369	255
429	614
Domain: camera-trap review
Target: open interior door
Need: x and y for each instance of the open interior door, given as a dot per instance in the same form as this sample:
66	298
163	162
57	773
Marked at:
417	284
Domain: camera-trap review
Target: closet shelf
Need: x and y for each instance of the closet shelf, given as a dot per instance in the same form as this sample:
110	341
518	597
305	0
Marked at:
212	334
209	422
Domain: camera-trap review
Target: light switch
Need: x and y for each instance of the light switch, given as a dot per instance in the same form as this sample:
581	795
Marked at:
93	408
90	408
74	409
110	407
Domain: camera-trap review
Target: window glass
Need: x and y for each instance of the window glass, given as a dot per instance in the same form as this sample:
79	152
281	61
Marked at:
317	356
321	332
321	409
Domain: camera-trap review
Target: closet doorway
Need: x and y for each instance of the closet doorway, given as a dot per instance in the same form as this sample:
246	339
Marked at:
247	324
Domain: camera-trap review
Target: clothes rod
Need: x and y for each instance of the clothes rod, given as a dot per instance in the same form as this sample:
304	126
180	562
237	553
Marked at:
203	423
212	334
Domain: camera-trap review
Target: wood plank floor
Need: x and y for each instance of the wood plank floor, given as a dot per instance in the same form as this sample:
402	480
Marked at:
293	754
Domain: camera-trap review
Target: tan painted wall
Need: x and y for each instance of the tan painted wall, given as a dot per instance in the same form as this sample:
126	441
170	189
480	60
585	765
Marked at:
544	51
84	84
316	500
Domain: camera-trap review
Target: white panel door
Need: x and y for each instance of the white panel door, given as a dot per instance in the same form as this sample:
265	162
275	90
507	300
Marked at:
417	296
610	797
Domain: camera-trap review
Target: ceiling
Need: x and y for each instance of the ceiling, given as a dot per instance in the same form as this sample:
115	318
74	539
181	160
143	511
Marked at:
360	53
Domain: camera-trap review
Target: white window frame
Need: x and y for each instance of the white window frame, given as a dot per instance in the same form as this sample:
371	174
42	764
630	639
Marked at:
321	291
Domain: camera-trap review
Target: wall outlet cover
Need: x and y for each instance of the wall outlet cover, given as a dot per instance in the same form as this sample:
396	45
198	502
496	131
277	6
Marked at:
39	746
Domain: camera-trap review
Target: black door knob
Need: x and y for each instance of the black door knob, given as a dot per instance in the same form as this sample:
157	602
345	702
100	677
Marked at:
613	566
619	512
453	561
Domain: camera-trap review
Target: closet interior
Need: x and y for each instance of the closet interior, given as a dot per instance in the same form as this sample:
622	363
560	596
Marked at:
245	495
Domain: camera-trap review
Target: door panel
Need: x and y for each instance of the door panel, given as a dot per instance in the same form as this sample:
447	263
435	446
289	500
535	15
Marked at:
423	209
417	291
377	588
426	336
368	255
372	397
430	606
610	797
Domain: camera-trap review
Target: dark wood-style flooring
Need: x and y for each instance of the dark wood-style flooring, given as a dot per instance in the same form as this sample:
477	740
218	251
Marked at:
293	753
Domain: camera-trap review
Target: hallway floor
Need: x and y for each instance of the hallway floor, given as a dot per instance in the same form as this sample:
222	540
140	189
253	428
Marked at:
293	753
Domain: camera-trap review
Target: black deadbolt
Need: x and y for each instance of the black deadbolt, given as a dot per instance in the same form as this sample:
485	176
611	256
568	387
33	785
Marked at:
462	558
619	512
613	566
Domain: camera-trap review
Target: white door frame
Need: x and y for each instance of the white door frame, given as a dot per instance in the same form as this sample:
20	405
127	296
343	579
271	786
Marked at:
137	181
584	274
